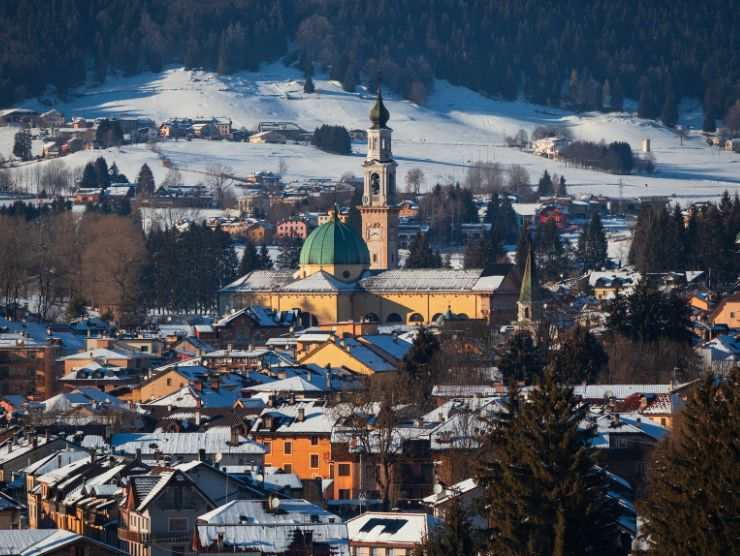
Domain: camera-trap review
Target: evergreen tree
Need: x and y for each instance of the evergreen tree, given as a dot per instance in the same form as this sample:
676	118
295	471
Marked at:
545	187
521	359
592	245
89	176
265	259
476	254
542	488
22	146
308	86
250	259
709	124
550	251
145	185
453	537
580	357
561	190
649	315
416	363
692	504
290	252
669	114
101	173
421	254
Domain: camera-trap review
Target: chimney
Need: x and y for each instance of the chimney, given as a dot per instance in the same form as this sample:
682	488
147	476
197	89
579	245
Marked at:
301	415
138	454
35	441
234	441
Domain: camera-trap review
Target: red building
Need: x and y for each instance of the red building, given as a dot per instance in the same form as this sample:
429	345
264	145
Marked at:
292	228
558	214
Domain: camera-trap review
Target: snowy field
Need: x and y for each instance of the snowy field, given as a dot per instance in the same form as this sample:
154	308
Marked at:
452	130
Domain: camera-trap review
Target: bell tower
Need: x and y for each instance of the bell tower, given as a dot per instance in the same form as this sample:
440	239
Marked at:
378	210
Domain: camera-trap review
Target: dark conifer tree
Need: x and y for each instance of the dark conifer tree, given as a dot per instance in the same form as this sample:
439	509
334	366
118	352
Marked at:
421	254
265	259
22	145
89	176
522	248
592	245
454	537
145	185
521	360
101	172
550	250
250	259
709	124
545	187
562	189
476	254
308	86
580	358
416	364
290	252
692	504
542	488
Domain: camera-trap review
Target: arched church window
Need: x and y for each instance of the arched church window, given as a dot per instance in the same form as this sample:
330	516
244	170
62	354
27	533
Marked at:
370	317
416	317
375	183
526	312
436	316
394	317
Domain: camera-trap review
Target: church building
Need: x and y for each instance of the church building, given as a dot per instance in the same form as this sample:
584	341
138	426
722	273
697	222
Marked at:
344	277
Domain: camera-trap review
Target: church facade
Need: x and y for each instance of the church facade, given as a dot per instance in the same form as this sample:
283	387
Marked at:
344	277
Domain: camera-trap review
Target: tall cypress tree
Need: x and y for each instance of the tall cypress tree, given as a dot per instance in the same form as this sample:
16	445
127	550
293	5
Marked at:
250	259
89	176
542	489
145	181
692	505
421	254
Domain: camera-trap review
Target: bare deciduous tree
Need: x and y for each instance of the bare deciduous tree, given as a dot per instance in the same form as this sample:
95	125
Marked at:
414	180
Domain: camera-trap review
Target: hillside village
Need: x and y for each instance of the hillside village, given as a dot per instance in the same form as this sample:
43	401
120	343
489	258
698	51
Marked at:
335	400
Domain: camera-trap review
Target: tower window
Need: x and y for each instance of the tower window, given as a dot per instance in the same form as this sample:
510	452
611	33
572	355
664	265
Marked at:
375	183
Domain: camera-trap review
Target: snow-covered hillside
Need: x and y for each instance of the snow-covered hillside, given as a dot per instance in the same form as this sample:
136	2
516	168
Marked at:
455	128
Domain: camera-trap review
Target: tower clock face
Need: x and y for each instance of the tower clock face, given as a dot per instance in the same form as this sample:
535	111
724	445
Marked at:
375	183
375	232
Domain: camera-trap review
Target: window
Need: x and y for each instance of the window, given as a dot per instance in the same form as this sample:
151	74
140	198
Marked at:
169	382
144	348
732	315
314	461
344	470
344	494
288	468
178	524
268	447
314	441
287	447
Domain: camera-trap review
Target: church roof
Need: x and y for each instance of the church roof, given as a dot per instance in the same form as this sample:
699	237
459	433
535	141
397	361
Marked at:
260	280
334	243
379	114
423	279
318	282
530	289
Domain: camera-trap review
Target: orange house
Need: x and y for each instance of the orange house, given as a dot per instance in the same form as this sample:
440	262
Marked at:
297	438
727	312
166	382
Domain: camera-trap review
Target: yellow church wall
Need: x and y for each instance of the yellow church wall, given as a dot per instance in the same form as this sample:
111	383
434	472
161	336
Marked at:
321	306
428	305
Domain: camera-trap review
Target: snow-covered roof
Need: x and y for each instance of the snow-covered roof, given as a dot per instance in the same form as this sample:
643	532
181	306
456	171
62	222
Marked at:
618	391
293	384
317	418
104	354
21	447
320	281
260	280
452	491
365	355
248	525
608	278
213	441
489	283
421	280
8	503
463	390
390	528
526	209
36	542
189	397
82	396
391	344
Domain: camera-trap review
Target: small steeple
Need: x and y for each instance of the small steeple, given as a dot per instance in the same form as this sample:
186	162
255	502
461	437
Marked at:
530	295
379	114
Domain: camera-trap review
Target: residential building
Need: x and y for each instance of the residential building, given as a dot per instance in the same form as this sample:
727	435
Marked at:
727	312
158	513
374	533
292	228
278	527
52	542
11	512
28	366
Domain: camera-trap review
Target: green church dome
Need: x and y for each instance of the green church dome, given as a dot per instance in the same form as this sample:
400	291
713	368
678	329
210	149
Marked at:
379	114
334	243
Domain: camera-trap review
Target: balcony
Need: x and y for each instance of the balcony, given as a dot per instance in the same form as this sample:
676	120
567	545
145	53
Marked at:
133	536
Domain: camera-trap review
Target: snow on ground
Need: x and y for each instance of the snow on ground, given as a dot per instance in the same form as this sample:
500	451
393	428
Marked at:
455	128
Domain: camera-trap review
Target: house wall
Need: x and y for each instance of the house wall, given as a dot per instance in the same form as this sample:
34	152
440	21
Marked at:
300	457
728	314
164	384
334	355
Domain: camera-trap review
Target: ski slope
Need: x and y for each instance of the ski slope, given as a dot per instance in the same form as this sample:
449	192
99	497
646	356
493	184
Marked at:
455	128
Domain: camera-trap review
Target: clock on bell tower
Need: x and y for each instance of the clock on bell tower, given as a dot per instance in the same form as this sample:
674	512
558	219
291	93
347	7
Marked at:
379	213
